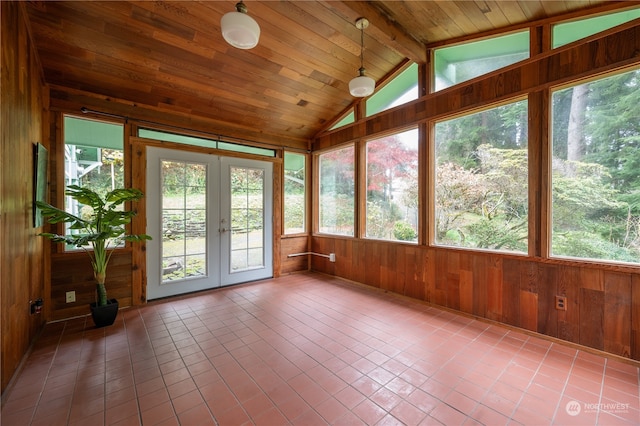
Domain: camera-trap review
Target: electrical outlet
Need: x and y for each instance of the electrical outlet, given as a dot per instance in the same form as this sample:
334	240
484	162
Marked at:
332	257
71	296
561	303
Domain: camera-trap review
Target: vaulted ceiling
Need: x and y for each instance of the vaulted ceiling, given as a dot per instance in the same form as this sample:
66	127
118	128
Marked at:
162	56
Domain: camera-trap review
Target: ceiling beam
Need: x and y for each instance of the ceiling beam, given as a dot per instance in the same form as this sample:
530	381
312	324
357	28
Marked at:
381	28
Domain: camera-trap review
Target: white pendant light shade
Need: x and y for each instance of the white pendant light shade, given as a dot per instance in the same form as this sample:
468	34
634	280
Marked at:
239	29
362	86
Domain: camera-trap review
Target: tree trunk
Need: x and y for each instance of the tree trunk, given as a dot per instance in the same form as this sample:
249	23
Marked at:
575	130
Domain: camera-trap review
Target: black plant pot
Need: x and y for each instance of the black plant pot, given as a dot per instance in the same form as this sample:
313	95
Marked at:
104	315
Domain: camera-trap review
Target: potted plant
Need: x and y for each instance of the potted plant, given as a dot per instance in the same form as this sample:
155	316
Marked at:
98	230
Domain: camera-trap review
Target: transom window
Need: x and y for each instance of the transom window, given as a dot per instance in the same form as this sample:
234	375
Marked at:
462	62
210	143
567	32
400	90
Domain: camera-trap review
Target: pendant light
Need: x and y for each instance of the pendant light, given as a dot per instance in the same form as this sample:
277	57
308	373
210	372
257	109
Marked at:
362	85
239	29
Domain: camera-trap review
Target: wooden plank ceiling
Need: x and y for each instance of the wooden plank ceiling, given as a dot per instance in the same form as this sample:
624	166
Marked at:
166	56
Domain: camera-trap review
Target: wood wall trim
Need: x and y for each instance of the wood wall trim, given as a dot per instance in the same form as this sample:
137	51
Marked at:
278	214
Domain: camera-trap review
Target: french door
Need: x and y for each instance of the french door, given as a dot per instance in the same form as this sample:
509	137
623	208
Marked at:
210	218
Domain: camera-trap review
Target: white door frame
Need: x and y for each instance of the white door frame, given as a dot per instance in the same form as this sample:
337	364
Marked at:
217	179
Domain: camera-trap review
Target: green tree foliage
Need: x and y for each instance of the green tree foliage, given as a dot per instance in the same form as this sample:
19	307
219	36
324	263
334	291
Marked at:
504	127
392	176
596	201
403	231
613	129
482	179
109	174
485	207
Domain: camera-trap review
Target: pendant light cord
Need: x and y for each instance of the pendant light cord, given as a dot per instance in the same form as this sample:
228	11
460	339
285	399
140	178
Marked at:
361	46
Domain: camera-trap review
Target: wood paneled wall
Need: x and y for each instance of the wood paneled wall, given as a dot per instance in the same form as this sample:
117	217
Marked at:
21	251
603	309
73	271
293	245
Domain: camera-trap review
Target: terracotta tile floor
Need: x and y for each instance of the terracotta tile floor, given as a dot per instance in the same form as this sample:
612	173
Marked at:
310	350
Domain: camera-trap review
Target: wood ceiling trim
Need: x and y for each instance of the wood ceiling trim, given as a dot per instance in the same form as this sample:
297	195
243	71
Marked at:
381	28
170	54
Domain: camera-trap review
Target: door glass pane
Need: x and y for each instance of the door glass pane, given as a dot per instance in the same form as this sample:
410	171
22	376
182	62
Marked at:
247	218
184	229
254	257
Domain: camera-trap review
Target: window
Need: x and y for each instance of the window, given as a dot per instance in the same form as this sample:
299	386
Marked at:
94	156
596	169
481	180
336	191
209	143
463	62
348	119
568	32
294	193
400	90
392	187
